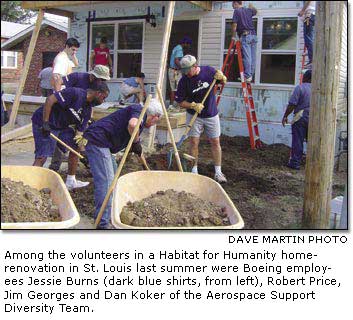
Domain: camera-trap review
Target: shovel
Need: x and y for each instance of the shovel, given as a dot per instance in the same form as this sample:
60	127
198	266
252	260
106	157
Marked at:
188	128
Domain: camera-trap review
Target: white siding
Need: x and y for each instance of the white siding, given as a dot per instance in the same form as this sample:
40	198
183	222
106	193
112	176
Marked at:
342	93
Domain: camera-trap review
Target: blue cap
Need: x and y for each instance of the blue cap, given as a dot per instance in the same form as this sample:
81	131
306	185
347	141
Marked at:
187	40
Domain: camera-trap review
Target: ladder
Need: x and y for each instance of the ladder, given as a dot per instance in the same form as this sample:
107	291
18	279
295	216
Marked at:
302	66
254	135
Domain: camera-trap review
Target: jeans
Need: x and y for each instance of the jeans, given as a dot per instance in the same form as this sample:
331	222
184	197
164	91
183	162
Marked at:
102	169
248	51
309	36
299	134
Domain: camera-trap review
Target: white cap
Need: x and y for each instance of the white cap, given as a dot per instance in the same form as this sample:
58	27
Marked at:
186	63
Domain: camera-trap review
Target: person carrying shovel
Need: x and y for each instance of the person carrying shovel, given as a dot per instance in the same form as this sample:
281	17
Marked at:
69	107
191	90
109	135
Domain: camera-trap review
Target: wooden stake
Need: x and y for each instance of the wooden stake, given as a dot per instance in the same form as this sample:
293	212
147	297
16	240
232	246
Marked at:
322	120
159	93
122	162
164	58
27	63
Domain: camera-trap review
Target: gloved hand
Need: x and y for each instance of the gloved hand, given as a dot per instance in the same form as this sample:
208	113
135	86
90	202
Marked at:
80	140
220	76
46	129
136	148
198	107
91	121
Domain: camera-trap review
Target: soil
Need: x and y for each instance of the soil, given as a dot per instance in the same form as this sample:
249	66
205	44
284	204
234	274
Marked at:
173	209
22	203
267	194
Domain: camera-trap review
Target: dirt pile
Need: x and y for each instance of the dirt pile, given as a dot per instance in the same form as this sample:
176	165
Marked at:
22	203
173	209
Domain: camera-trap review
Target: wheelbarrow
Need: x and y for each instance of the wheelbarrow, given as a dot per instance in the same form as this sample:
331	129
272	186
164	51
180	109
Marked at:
39	178
138	185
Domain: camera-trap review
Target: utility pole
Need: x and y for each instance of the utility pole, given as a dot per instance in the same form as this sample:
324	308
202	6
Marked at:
322	120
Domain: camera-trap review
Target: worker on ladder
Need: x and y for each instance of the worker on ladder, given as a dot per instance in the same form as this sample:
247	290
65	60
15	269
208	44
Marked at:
308	14
243	26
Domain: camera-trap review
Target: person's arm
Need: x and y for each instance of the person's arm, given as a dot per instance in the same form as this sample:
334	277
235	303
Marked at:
74	60
91	60
302	11
49	102
293	102
40	78
142	85
131	127
289	110
234	25
56	81
110	61
177	62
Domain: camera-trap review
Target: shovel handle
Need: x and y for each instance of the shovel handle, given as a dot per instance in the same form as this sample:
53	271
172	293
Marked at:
66	146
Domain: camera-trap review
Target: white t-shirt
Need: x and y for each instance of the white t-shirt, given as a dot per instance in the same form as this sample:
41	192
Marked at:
310	9
62	64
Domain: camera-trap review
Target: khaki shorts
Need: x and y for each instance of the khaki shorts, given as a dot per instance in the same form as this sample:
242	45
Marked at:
211	126
174	78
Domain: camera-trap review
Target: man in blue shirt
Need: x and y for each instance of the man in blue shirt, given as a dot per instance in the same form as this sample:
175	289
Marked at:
109	135
69	107
174	73
299	103
192	88
133	86
244	27
83	80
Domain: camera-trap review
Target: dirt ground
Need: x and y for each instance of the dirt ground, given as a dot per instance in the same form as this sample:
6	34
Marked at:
267	194
173	209
22	203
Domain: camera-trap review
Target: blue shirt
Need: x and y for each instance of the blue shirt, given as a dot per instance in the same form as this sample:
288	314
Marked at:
77	80
176	53
195	88
243	18
301	98
112	131
131	82
72	108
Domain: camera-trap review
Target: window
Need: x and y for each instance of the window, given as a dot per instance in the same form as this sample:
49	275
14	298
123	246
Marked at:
8	59
125	43
234	72
278	55
276	50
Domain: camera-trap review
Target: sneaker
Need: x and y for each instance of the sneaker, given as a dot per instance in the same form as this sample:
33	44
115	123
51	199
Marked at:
292	167
109	226
248	80
122	102
76	184
220	178
308	66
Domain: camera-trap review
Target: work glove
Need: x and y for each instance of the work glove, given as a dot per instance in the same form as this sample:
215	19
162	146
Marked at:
46	129
220	76
90	121
80	140
136	148
198	107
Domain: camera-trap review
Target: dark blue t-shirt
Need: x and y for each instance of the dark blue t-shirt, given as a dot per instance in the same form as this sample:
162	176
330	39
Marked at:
77	80
301	99
112	131
195	88
243	18
72	108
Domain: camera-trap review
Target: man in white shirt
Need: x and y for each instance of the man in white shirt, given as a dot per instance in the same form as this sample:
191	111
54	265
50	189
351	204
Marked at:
308	14
64	62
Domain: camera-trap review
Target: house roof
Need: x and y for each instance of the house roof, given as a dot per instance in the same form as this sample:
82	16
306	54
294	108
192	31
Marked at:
9	29
20	36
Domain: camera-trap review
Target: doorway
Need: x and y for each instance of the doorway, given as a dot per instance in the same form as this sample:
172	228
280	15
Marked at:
180	29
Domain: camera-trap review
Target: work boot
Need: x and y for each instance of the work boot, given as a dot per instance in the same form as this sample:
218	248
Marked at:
76	184
220	177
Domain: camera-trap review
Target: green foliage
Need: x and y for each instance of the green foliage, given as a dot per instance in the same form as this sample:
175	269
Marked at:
11	11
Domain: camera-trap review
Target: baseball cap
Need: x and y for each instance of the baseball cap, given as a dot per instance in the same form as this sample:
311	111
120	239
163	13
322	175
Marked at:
101	72
186	63
187	40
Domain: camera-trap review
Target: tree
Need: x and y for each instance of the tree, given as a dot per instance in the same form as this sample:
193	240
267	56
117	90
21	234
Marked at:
11	11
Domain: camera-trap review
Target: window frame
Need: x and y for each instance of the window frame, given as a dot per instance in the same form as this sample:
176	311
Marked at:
5	55
115	50
265	14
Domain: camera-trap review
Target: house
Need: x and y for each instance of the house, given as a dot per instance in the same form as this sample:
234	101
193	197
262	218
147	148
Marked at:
51	40
135	35
11	61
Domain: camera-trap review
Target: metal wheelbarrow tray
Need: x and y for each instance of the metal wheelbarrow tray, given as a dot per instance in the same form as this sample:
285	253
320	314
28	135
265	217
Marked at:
39	178
138	185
